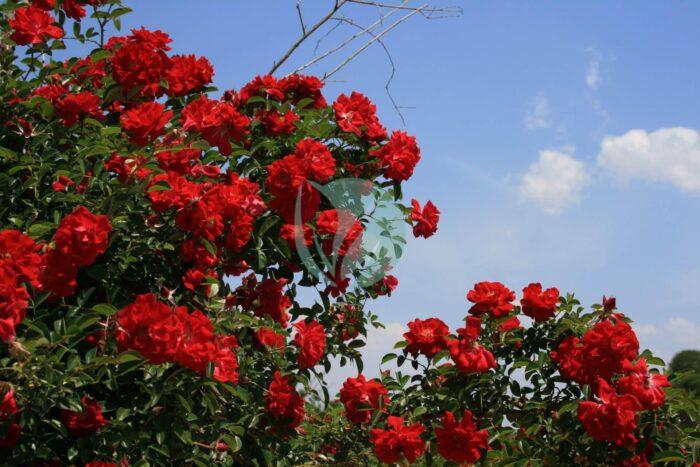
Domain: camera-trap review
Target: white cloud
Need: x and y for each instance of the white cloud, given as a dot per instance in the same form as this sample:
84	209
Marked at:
554	182
538	114
593	73
670	155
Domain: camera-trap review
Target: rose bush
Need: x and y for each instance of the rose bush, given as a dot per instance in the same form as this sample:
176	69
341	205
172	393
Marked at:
155	238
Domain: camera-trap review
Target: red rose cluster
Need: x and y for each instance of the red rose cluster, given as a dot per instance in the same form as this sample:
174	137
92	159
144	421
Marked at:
20	264
80	238
85	423
459	442
284	404
602	358
163	334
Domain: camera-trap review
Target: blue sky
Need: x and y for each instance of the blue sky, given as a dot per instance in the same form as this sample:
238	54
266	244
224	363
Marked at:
511	104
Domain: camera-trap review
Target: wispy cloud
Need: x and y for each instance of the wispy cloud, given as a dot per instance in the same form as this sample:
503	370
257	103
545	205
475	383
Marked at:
593	73
538	113
555	181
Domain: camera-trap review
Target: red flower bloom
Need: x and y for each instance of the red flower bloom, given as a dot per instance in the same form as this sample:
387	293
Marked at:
537	304
646	387
398	157
424	220
20	253
145	122
225	360
264	86
390	444
218	122
8	406
73	107
613	420
287	183
311	340
31	25
188	73
298	87
149	327
14	300
609	304
84	70
602	352
283	403
294	234
461	442
269	338
85	423
82	236
426	337
386	285
469	356
362	398
491	297
140	63
510	324
356	114
320	162
276	124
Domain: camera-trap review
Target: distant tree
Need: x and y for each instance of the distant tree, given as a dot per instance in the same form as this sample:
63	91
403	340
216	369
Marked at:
687	363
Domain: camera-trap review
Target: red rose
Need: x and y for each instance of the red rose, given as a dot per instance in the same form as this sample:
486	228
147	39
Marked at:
298	87
646	387
140	63
311	340
426	337
225	360
31	25
491	297
469	356
283	403
362	398
85	423
295	234
276	124
263	86
461	442
145	122
188	73
510	324
82	236
73	107
398	157
390	444
14	300
609	304
218	122
58	274
614	419
537	304
268	338
356	114
424	220
20	253
386	285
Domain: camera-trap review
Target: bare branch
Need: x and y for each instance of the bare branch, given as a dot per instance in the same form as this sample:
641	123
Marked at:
301	17
337	6
387	86
428	13
363	30
374	39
